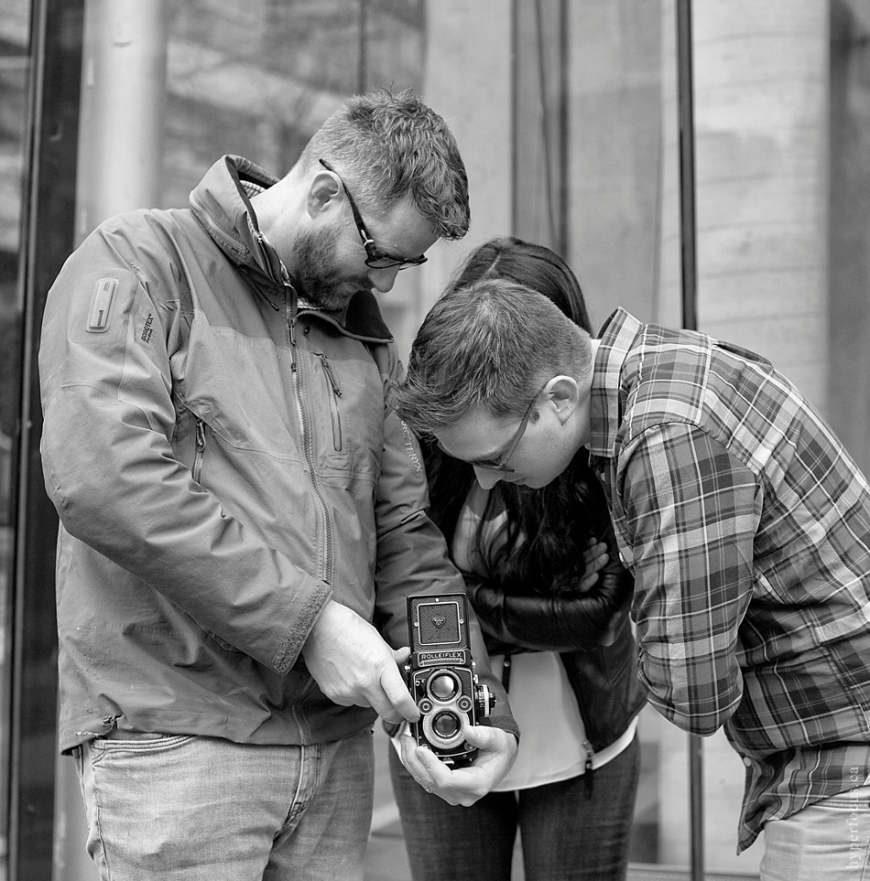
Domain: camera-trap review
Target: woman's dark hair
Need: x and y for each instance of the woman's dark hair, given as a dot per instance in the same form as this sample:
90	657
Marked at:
531	265
547	529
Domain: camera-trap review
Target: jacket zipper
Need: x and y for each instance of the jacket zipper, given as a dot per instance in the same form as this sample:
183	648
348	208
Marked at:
332	382
200	449
324	562
110	723
588	782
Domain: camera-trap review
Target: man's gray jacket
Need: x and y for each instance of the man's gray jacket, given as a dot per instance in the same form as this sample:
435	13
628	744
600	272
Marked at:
223	463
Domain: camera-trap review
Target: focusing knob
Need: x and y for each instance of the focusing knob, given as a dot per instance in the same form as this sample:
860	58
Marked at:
443	687
445	725
485	700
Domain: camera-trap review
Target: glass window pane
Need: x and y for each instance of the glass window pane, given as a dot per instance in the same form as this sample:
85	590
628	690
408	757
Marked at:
14	76
566	116
257	79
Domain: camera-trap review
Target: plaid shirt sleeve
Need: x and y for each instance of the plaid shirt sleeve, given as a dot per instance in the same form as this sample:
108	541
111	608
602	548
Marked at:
690	516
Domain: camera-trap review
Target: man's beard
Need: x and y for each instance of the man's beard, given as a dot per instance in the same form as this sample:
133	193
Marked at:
316	276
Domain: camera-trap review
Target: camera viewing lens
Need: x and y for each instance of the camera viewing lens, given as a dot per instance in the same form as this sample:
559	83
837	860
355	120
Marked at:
445	725
443	687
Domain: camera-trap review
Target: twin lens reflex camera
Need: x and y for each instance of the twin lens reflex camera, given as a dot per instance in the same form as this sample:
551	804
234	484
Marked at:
441	676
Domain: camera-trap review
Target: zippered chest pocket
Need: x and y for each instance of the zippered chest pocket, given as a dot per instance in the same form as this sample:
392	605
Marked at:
198	449
344	400
333	395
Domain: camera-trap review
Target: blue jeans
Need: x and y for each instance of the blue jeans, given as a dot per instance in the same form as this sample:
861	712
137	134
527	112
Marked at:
827	840
567	833
204	809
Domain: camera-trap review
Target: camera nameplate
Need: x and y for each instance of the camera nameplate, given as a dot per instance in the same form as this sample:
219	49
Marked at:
430	659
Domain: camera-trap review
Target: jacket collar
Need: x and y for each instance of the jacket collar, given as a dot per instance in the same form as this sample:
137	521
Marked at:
618	335
221	202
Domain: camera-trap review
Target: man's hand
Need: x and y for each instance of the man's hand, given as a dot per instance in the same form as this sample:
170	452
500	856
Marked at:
463	786
354	666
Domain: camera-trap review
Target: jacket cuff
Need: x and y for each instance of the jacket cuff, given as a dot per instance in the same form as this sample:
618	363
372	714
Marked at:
288	651
506	723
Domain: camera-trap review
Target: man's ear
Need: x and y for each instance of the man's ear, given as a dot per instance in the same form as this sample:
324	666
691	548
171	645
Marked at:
564	394
323	193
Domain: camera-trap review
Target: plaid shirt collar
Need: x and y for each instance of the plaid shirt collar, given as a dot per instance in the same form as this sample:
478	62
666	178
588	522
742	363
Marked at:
618	335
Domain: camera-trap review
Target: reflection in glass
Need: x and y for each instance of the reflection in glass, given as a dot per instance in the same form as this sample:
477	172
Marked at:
258	79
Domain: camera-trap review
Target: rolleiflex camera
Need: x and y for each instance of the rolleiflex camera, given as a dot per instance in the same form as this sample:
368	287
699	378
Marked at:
441	676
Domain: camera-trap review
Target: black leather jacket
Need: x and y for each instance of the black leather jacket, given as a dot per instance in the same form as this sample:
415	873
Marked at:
600	659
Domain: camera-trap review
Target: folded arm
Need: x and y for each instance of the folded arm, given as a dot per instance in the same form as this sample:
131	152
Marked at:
572	618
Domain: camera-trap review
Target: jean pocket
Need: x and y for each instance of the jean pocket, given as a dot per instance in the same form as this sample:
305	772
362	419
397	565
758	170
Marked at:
158	743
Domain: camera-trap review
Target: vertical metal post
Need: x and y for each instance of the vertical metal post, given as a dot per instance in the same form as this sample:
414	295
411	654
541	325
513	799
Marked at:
562	233
123	101
515	115
689	277
685	100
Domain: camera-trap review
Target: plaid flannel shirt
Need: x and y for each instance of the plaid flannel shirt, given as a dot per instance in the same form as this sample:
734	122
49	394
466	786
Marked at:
747	527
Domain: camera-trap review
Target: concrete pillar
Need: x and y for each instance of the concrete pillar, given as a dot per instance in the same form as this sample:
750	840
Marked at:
614	155
761	114
761	117
467	80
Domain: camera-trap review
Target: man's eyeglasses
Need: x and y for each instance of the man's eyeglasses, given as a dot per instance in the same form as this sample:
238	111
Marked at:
501	464
375	257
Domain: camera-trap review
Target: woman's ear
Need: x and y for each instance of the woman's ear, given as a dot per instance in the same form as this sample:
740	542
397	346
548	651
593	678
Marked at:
564	393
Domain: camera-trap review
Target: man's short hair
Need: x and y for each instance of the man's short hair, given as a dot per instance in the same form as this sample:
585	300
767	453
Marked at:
388	145
492	344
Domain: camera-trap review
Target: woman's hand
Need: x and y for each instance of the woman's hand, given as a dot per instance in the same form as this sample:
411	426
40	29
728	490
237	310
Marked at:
595	556
497	750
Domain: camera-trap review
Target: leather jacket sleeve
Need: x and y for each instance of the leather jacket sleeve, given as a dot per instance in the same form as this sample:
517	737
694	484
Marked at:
515	616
